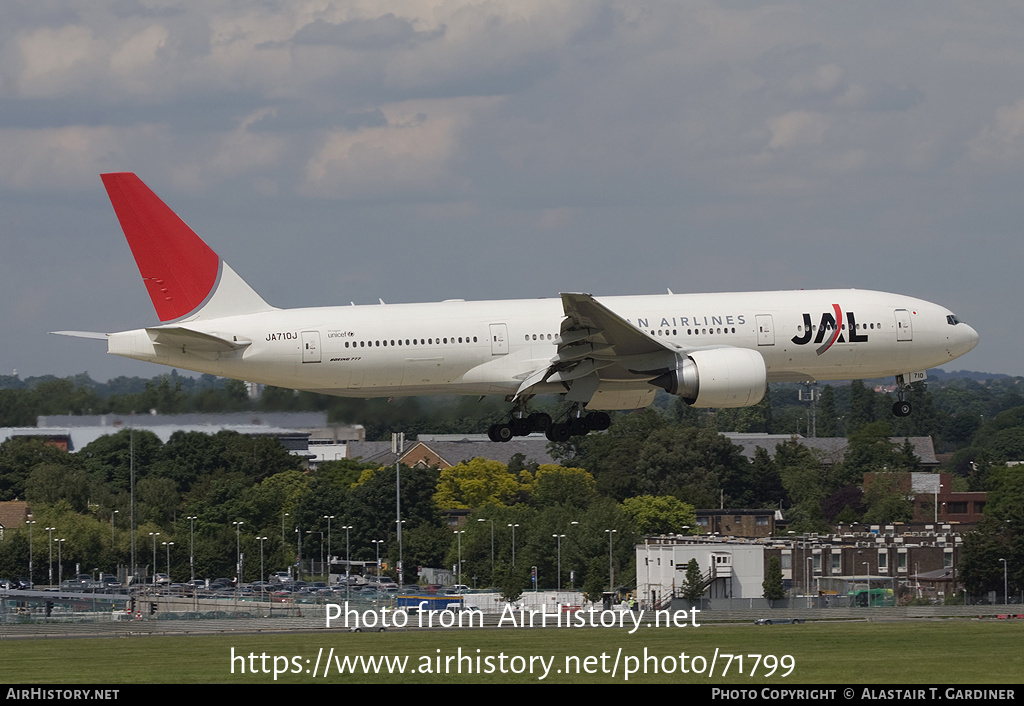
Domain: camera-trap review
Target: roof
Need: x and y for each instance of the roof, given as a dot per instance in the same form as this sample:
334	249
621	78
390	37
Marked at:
453	452
13	513
830	449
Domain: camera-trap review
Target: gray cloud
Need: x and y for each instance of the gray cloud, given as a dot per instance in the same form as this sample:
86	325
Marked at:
530	147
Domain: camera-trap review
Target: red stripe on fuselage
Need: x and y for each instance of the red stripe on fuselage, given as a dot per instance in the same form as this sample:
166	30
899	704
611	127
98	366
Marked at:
178	268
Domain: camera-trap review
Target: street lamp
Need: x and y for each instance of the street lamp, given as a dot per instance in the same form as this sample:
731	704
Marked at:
514	542
328	518
378	542
191	546
458	574
558	582
50	531
283	515
298	556
168	545
492	547
1005	599
611	573
238	551
31	580
60	567
348	564
321	546
154	535
261	556
112	527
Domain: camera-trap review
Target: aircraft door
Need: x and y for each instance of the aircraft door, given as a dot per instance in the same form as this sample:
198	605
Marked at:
765	330
904	330
310	346
499	339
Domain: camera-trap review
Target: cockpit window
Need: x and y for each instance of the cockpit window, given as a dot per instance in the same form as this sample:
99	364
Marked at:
952	320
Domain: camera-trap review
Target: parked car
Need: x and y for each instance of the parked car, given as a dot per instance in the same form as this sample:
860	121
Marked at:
779	621
23	582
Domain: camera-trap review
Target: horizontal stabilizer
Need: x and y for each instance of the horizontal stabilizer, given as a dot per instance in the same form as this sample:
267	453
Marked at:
189	339
82	334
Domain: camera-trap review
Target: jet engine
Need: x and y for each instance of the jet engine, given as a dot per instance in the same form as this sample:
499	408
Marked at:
717	377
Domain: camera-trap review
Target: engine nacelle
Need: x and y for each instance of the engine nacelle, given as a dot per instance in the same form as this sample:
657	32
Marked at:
717	377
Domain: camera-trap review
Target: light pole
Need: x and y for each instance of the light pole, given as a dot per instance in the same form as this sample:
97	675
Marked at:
938	487
321	547
261	556
458	574
50	531
168	545
867	584
492	547
1005	598
298	558
60	567
112	527
611	571
31	580
154	535
238	551
191	546
401	569
348	564
514	543
378	542
558	581
329	518
283	515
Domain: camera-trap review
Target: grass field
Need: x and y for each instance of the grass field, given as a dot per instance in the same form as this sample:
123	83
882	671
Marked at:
946	651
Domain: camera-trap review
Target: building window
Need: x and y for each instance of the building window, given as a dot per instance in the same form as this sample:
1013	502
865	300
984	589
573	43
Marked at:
761	520
816	562
947	558
702	521
787	561
901	560
883	560
837	563
956	508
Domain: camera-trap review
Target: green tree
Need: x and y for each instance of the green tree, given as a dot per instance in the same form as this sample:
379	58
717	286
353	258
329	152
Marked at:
772	587
663	514
693	587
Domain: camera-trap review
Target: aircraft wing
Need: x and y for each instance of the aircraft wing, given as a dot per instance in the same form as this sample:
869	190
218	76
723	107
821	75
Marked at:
589	321
596	343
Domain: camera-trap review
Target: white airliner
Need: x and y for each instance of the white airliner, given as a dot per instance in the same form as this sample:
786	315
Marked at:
607	353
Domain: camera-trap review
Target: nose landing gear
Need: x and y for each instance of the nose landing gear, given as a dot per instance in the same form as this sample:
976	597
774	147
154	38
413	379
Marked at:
901	408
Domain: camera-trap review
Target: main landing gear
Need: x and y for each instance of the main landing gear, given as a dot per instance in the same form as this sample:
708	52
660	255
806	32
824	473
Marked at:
576	423
519	426
901	408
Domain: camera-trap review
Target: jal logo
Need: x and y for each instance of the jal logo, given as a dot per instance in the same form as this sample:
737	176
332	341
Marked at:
830	330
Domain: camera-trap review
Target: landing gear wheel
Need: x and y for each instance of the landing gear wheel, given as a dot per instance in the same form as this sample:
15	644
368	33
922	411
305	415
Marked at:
901	408
558	432
500	432
539	421
599	421
520	426
579	426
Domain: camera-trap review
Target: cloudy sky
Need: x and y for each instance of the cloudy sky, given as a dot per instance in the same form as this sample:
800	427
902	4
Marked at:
419	150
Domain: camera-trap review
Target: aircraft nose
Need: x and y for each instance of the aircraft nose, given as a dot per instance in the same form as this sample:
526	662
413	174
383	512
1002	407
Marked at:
966	339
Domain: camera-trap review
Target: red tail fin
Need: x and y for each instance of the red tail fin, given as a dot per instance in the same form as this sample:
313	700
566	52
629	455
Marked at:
179	269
